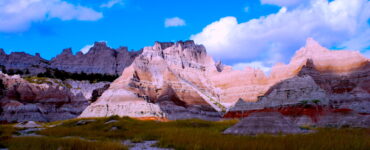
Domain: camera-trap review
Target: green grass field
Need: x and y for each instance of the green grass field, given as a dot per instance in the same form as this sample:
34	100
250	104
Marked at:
184	134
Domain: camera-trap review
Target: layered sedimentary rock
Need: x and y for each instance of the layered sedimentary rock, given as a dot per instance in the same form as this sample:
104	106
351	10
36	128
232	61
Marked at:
264	123
22	61
100	59
90	91
170	78
288	92
319	87
349	89
166	80
179	80
249	84
317	73
42	99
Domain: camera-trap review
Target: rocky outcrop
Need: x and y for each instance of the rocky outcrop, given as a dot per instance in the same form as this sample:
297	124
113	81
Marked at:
47	101
179	80
264	123
100	59
180	77
166	80
344	90
89	90
315	88
22	62
287	93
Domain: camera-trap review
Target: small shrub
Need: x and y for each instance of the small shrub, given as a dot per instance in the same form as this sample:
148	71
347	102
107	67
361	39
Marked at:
315	101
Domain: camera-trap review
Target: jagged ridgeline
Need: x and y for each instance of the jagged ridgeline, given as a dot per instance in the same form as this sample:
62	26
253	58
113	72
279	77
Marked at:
101	63
181	81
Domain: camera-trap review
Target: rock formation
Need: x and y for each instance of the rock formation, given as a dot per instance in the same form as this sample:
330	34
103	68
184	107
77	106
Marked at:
315	87
20	61
179	80
42	99
264	123
100	59
166	80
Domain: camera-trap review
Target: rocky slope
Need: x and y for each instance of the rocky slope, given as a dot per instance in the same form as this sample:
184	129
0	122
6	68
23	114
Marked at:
179	80
319	87
338	79
43	99
166	80
265	123
39	102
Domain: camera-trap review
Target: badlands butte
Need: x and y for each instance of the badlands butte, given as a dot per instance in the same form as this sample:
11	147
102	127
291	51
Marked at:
179	80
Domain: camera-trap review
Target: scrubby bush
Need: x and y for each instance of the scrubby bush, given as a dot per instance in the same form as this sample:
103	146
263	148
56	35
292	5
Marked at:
63	75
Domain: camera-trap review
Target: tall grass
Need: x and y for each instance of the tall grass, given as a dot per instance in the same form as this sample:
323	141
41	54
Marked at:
197	134
47	143
6	132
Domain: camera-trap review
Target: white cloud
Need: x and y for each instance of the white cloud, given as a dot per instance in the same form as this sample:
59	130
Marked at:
277	36
86	48
112	3
18	15
256	64
286	3
174	22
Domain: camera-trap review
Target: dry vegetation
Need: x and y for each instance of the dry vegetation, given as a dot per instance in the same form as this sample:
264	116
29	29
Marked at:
185	134
50	143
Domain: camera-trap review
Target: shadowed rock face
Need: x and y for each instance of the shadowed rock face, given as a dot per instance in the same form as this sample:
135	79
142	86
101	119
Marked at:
24	101
22	61
264	123
346	90
100	59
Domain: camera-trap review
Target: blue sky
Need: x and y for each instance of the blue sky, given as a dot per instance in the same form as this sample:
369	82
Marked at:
237	32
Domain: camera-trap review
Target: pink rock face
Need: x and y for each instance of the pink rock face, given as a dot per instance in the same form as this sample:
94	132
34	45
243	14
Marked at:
171	76
342	61
167	73
250	83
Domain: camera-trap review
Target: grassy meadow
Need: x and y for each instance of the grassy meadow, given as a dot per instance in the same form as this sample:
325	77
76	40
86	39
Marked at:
183	135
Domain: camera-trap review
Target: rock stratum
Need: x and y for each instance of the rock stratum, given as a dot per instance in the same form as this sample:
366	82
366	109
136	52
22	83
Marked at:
100	59
49	101
179	80
167	80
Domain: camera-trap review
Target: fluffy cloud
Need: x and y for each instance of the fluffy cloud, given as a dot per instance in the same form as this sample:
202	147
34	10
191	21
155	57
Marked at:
276	37
86	48
18	15
111	3
174	22
286	3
